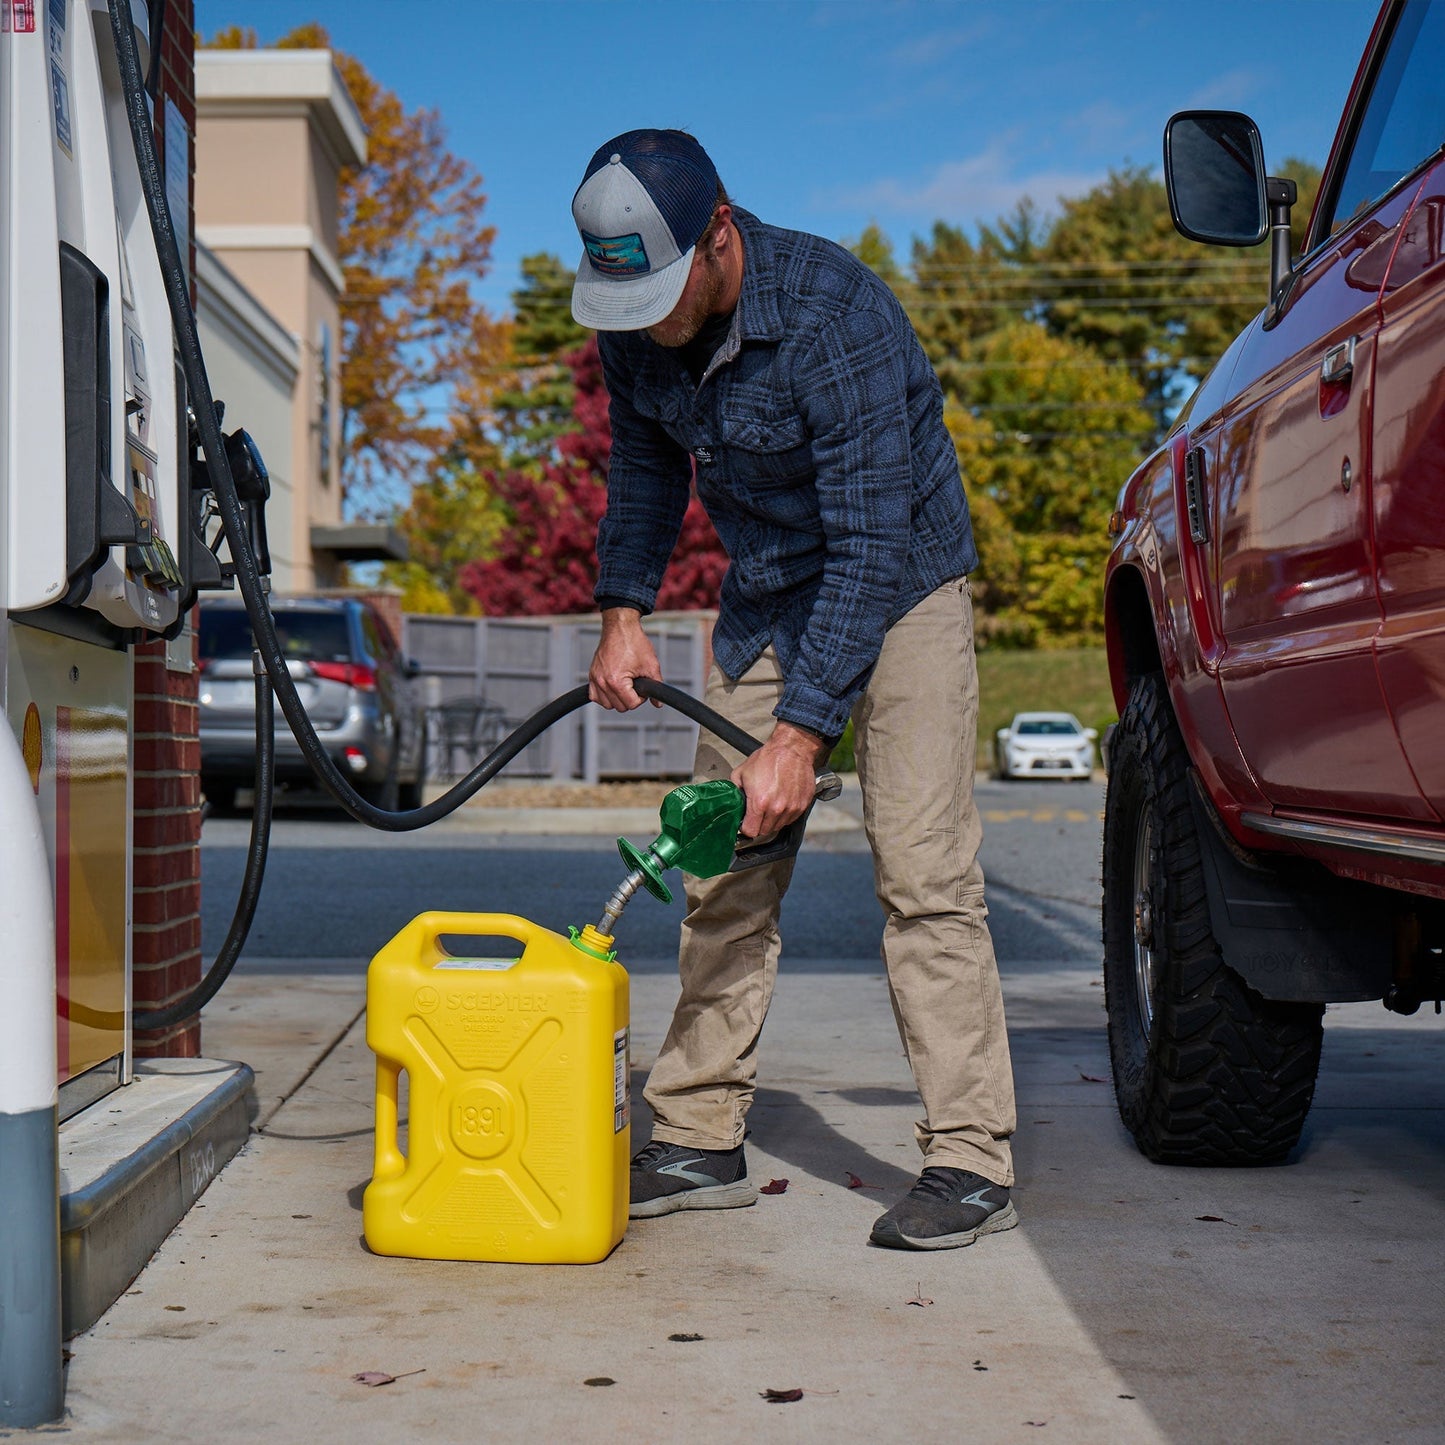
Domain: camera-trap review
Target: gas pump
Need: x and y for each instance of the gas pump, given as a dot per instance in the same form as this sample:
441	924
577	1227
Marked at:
94	523
94	480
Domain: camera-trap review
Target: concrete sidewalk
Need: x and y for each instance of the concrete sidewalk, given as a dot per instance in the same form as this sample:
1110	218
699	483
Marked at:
1133	1303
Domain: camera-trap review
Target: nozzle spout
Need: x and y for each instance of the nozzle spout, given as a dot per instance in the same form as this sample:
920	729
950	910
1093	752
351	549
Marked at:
621	897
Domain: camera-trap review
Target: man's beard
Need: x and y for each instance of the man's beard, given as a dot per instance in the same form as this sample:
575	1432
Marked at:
679	326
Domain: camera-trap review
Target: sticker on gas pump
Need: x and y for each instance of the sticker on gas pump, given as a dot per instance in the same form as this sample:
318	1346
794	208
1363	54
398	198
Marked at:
621	1095
60	95
19	16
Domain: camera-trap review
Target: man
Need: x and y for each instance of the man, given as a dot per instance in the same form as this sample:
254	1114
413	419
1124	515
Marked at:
783	374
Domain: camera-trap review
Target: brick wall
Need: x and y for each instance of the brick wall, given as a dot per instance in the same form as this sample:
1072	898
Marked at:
166	937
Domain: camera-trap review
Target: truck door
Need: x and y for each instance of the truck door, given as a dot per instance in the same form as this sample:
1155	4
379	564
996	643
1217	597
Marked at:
1299	605
1409	492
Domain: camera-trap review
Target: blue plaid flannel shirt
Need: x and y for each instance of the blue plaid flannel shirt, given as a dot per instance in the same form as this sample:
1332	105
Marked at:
821	456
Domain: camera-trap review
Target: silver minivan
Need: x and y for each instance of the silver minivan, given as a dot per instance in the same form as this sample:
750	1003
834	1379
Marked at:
360	694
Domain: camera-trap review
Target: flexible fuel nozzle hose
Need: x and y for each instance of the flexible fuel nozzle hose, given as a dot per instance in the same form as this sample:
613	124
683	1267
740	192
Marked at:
256	849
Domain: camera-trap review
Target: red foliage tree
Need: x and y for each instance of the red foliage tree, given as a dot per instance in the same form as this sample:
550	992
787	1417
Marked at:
547	564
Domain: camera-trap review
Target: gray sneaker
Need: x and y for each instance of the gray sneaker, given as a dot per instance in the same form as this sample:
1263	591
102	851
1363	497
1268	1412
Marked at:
668	1177
945	1209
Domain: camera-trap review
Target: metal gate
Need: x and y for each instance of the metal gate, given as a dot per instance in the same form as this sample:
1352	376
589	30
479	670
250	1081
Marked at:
483	675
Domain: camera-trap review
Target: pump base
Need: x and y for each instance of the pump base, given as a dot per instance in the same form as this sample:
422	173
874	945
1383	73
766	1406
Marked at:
132	1165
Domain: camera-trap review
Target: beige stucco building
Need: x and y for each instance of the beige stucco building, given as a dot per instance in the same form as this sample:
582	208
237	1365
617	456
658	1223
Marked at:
273	130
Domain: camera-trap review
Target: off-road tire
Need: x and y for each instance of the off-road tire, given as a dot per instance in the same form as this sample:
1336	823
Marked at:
1206	1070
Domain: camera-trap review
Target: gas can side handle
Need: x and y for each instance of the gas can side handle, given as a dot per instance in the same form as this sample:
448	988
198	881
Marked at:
389	1161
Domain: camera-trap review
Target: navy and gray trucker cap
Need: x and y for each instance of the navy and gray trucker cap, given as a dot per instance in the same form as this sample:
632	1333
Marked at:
644	201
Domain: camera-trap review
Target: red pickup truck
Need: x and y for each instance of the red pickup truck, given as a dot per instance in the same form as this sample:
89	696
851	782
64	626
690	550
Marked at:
1274	834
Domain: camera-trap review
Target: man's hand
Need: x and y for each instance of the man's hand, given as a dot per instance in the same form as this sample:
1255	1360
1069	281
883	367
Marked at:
623	655
779	779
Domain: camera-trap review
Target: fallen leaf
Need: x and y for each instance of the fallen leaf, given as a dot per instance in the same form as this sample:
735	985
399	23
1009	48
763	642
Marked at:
774	1186
854	1182
600	1380
380	1377
919	1300
1215	1219
179	1309
1093	1079
684	1339
781	1397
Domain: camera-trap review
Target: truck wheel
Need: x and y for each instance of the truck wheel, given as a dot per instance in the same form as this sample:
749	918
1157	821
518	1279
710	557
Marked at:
1206	1070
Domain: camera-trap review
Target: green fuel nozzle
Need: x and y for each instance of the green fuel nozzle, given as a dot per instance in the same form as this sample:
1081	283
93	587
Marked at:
700	823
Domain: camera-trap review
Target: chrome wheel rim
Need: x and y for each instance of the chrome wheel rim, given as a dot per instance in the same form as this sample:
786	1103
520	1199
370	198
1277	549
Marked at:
1145	976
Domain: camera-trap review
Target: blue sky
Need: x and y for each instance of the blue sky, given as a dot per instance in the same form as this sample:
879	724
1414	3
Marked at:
830	114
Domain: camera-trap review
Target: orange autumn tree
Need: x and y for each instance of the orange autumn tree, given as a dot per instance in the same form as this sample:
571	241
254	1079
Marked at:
417	348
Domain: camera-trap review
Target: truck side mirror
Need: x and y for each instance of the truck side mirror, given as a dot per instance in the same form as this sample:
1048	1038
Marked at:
1214	174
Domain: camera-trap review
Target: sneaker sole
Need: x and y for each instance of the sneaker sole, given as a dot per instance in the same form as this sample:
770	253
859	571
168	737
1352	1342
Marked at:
723	1196
892	1237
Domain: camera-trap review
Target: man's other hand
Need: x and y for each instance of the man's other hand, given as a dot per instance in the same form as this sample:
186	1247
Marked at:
623	655
779	779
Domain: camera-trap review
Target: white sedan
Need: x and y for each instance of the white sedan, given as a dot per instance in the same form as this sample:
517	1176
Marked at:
1044	745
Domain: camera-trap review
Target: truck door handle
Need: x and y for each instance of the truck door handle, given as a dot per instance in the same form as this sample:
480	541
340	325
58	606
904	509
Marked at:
1339	363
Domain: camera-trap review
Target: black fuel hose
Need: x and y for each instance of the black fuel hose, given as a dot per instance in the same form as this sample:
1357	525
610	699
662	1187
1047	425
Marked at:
253	587
256	850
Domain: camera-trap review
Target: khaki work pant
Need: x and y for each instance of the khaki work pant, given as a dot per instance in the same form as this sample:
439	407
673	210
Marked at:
914	731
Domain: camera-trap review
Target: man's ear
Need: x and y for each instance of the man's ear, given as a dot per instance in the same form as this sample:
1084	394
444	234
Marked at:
722	228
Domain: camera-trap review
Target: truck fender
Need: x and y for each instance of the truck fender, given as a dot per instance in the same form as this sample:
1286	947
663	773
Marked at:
1293	931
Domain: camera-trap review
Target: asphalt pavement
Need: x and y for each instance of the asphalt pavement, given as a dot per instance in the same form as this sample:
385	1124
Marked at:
1133	1303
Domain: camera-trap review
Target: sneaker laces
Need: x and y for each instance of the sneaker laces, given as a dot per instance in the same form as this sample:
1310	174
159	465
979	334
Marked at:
935	1184
650	1154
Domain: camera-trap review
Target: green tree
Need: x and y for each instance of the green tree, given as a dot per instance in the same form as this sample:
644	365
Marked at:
1115	275
452	520
959	290
1046	431
875	251
537	409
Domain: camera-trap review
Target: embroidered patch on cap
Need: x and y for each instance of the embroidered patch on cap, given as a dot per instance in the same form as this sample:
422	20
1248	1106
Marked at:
617	255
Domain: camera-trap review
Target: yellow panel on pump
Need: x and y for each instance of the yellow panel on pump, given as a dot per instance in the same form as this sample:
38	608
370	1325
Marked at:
518	1137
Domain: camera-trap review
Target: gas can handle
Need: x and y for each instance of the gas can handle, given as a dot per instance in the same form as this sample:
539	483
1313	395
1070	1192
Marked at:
505	925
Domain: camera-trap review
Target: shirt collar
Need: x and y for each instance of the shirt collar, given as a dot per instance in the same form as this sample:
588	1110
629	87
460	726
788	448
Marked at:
759	317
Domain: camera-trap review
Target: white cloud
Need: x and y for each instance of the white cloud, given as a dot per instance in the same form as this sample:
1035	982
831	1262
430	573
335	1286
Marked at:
981	186
1231	91
929	49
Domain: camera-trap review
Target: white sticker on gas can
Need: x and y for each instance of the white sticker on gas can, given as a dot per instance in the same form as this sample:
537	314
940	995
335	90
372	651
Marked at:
489	965
621	1094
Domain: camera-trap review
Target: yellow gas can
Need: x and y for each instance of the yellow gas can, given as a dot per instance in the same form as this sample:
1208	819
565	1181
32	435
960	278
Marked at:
517	1142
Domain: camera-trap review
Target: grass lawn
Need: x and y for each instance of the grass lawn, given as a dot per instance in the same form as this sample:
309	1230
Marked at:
1074	679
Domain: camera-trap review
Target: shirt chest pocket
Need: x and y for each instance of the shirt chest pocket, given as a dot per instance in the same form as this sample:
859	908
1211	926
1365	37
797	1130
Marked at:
767	450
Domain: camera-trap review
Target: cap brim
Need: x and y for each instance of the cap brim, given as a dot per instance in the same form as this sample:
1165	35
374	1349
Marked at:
631	304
